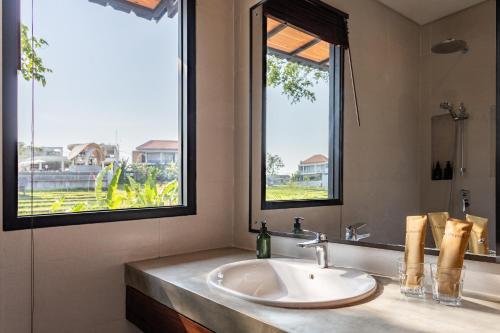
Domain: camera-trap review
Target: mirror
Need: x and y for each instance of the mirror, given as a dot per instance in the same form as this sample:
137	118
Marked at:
425	84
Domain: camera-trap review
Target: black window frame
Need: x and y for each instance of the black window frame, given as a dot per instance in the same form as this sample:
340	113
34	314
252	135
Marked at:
291	13
187	87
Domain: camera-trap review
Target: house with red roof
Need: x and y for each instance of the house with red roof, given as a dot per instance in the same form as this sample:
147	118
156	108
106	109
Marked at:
157	152
314	170
314	165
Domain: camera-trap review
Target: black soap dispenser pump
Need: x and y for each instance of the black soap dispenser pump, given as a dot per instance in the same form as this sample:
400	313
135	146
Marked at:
438	172
448	171
263	242
297	228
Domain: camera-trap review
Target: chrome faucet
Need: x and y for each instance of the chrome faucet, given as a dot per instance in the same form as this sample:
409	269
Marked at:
352	232
320	243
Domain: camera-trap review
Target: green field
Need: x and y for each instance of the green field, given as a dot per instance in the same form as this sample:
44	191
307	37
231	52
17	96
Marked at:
292	192
74	201
43	201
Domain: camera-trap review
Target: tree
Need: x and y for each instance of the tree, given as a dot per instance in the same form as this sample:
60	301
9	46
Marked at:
295	79
273	164
32	67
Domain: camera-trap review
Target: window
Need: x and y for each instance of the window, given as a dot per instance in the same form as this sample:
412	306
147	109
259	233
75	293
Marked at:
302	104
98	111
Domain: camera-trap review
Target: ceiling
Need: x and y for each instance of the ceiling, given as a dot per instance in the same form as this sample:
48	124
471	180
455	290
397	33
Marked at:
426	11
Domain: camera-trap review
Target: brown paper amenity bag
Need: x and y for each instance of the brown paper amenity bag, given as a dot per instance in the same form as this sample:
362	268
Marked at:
478	241
438	223
414	249
451	255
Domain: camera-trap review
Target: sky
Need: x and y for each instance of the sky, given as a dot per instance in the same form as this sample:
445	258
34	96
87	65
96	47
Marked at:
115	79
295	132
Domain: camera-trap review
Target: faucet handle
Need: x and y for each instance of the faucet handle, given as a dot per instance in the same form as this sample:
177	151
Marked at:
318	236
351	232
356	226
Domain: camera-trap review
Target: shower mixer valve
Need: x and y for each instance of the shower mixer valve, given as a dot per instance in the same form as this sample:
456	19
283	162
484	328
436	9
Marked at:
465	195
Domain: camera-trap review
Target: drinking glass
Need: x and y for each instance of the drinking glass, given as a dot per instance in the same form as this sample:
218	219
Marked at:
411	278
447	284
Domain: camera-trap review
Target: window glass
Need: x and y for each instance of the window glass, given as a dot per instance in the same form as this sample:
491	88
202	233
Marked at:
99	112
298	109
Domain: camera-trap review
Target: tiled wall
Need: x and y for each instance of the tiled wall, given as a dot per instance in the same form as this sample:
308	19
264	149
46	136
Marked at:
79	269
468	78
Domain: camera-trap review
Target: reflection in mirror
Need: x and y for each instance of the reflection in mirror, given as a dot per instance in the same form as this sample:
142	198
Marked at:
426	88
299	116
296	156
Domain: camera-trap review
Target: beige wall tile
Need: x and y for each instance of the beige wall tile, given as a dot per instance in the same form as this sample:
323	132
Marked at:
79	269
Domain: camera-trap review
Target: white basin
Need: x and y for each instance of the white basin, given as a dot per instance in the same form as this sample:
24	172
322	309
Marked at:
292	283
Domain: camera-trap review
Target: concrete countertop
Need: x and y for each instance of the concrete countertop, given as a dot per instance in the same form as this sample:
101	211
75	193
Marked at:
180	283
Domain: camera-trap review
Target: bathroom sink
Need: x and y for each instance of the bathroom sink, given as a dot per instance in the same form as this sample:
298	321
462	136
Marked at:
292	283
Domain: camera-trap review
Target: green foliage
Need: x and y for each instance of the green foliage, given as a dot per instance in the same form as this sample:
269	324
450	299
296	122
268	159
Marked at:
296	80
274	164
57	205
100	180
172	171
150	194
32	67
163	172
113	197
123	176
80	207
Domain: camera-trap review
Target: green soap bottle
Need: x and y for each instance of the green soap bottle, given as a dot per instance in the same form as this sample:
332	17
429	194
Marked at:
263	242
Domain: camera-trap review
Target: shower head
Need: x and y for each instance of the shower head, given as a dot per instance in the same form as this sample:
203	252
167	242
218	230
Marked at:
450	45
462	113
449	107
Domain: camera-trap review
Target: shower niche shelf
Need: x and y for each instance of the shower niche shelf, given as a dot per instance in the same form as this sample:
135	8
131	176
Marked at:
442	147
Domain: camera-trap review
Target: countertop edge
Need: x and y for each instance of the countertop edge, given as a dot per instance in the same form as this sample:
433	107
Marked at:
194	306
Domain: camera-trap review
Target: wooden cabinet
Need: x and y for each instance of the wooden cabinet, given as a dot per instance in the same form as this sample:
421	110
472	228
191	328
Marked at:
153	317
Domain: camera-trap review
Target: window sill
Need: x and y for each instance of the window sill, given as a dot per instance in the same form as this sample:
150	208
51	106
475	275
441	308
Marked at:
57	220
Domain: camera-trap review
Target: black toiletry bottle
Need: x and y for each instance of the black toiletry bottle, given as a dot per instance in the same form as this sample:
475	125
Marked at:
297	228
448	171
263	242
438	172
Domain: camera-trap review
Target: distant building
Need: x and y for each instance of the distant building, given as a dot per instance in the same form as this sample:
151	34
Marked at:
91	156
43	159
156	152
314	171
314	165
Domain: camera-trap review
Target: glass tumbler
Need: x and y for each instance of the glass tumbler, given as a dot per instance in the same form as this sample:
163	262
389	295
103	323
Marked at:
447	284
411	278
